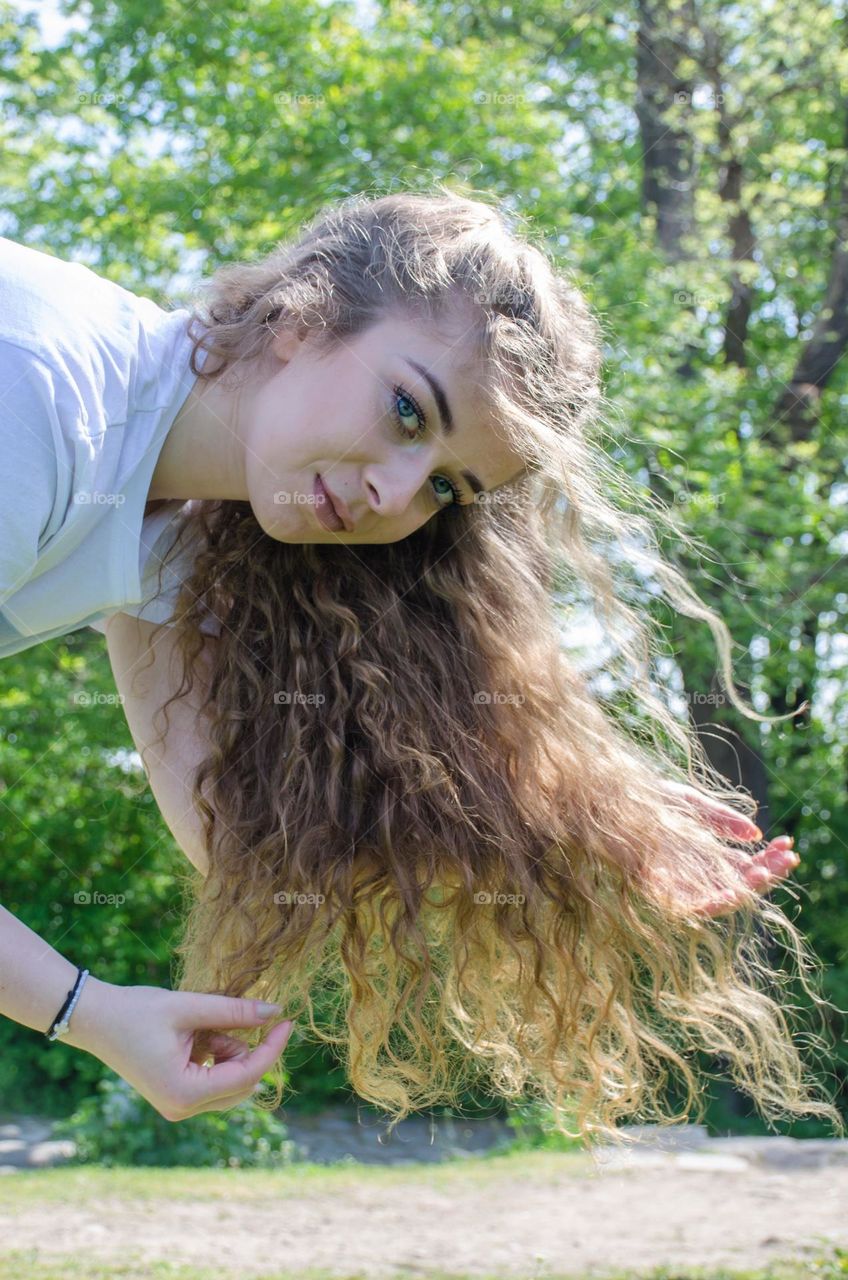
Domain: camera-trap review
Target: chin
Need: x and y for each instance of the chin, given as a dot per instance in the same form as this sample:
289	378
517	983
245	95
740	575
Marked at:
271	518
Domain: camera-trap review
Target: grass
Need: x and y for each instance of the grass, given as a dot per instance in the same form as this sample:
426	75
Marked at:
74	1183
19	1266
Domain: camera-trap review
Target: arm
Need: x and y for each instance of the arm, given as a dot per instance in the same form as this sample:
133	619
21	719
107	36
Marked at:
144	687
35	979
145	1034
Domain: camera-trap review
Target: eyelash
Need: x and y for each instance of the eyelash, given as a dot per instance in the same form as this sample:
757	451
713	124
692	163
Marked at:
400	394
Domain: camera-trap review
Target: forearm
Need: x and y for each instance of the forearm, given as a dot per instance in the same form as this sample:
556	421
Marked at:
35	980
144	1034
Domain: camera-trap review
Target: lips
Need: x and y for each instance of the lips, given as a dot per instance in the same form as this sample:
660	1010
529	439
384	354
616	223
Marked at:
324	510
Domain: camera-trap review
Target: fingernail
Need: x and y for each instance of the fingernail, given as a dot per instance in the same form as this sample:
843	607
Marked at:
759	834
264	1010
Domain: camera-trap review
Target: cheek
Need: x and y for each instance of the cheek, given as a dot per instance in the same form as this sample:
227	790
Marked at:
411	521
271	516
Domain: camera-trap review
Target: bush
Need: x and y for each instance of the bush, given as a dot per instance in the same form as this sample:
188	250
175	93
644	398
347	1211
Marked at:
533	1128
117	1126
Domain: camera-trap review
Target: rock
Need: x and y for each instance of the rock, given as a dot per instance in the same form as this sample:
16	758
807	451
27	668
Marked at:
25	1143
787	1153
690	1147
673	1137
356	1136
693	1161
347	1134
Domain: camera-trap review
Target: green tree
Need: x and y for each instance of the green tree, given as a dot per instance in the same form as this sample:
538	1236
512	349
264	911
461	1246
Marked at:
687	161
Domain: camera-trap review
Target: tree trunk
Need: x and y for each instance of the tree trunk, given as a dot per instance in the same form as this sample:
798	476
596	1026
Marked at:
667	191
798	405
663	96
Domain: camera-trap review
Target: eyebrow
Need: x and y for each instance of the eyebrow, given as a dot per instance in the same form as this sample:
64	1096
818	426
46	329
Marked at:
448	425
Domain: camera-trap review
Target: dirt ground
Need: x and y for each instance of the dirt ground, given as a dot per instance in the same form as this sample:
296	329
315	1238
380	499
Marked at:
584	1220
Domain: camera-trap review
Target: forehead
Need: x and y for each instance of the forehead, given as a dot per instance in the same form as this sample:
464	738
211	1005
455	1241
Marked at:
449	346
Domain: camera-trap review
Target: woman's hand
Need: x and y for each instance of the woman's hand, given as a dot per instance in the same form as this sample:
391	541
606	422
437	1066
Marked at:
147	1034
765	869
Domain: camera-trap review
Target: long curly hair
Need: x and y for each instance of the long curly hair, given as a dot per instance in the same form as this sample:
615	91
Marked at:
429	840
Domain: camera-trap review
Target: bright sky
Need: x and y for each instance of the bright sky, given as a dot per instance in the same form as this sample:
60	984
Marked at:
53	24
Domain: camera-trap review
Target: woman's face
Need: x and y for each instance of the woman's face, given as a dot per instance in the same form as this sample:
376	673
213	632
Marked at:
391	449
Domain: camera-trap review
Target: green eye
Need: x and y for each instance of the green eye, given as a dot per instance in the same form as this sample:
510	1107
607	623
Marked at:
406	407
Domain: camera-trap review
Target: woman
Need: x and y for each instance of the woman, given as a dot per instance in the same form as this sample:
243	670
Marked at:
398	792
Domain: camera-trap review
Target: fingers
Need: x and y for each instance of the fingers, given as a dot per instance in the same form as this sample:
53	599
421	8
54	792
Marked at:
766	869
220	1047
200	1011
737	826
225	1104
772	863
724	819
779	852
727	821
224	1085
243	1071
722	904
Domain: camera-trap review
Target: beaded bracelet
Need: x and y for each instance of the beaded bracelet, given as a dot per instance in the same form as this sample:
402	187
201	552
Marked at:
59	1025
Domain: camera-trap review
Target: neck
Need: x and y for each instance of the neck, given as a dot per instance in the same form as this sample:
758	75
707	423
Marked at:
203	454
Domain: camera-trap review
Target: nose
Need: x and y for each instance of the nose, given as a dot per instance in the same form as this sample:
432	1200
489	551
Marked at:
392	488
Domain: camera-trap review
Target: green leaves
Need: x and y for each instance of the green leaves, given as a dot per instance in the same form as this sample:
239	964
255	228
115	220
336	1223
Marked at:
167	138
116	1126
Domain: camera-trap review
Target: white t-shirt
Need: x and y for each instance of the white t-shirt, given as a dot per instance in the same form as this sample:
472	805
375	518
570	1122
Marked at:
91	380
159	530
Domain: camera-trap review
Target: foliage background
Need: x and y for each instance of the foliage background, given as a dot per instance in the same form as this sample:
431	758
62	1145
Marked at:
688	162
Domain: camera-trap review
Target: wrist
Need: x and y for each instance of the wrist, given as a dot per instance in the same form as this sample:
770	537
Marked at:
91	1015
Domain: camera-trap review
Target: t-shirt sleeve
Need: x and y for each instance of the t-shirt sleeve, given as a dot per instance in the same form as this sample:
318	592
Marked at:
29	395
159	603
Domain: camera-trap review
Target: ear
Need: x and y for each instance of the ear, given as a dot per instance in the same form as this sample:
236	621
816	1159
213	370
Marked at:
285	345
